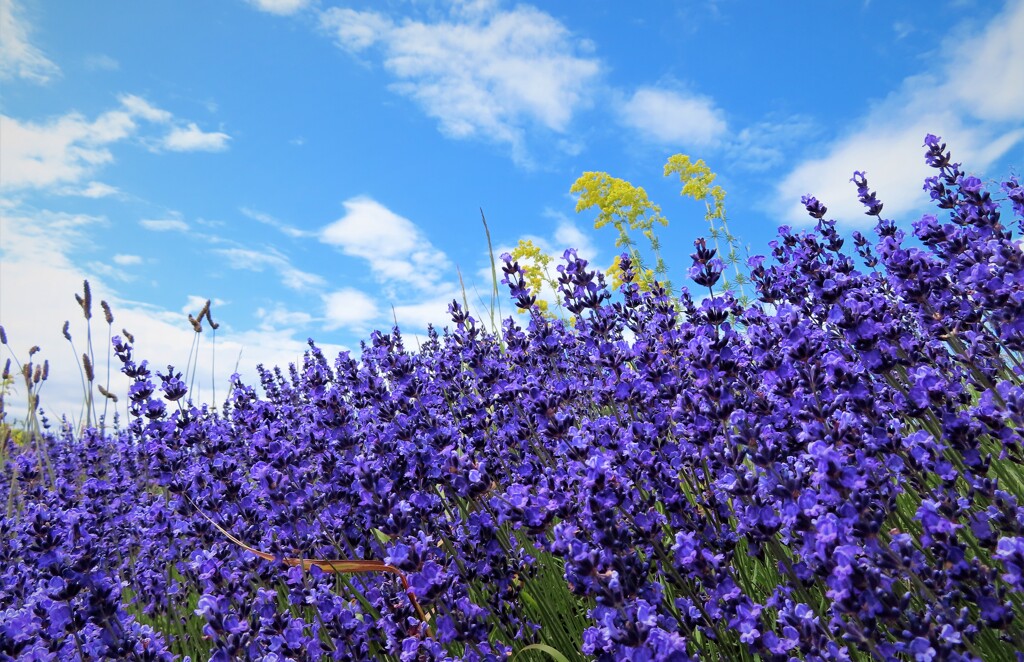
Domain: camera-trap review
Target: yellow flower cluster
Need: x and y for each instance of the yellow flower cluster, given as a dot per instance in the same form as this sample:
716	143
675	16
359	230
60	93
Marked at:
535	263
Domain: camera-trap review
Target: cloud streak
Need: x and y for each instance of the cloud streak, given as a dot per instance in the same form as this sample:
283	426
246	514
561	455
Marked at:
19	58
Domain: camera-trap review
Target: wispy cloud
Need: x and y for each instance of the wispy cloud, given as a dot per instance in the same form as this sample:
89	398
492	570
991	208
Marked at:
18	57
283	227
482	73
126	260
671	117
764	145
91	190
164	224
101	62
974	100
139	107
252	260
397	251
280	7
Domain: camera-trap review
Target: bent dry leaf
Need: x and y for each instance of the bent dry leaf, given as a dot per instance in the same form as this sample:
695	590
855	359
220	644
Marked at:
328	566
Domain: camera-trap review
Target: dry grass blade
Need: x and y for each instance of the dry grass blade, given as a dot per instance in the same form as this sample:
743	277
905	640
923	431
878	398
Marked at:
326	565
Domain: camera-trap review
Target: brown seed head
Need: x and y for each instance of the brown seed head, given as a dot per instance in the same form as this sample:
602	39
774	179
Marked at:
32	350
197	326
129	336
87	300
213	325
205	310
67	333
105	393
7	370
107	315
46	369
26	372
87	365
37	374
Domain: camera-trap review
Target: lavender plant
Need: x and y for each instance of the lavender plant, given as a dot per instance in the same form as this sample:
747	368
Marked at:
835	477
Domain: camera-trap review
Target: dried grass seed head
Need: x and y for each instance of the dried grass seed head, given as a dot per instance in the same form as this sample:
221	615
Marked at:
33	350
7	370
37	374
87	300
107	315
105	393
129	336
3	336
87	366
66	330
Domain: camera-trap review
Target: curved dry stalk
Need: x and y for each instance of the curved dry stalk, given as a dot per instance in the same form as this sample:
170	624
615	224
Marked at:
329	566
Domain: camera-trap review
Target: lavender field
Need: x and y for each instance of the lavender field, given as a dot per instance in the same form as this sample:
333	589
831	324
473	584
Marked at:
829	471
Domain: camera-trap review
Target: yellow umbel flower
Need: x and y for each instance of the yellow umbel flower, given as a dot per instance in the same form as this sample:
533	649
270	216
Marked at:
618	202
534	263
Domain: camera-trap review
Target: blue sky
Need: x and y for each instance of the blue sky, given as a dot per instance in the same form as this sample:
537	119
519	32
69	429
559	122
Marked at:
315	168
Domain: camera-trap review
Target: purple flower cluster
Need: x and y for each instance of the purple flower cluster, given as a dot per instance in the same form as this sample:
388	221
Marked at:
831	473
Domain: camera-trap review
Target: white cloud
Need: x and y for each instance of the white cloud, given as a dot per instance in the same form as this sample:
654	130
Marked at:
252	260
673	118
63	150
193	139
35	258
975	102
356	30
414	317
164	224
569	235
18	57
986	74
280	7
482	74
350	309
139	107
67	149
394	246
96	190
127	260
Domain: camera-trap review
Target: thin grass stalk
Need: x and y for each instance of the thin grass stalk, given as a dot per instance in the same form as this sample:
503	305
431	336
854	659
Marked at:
494	272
